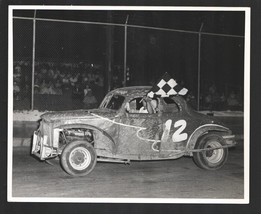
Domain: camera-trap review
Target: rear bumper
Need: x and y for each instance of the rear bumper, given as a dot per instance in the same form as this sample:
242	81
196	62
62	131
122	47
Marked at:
230	140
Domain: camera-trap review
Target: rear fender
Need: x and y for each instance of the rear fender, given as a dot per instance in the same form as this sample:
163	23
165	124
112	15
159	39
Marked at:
200	131
97	132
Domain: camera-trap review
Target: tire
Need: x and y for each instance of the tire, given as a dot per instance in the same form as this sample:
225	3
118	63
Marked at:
213	159
78	158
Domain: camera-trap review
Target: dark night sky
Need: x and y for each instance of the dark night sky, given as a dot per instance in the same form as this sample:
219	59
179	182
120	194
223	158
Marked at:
151	52
214	21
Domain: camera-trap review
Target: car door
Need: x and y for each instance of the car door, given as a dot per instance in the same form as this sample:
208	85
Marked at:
139	130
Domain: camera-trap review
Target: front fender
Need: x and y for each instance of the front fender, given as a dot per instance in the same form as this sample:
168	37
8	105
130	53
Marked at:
98	132
201	130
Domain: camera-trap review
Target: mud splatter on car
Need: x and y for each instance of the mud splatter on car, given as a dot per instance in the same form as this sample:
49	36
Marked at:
122	130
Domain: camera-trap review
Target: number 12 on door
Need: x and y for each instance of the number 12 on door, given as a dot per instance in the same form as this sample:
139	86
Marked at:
177	135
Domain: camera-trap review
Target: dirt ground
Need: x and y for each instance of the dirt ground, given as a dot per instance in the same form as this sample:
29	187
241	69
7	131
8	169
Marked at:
157	179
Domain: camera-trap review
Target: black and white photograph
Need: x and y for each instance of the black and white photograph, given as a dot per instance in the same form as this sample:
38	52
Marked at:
124	104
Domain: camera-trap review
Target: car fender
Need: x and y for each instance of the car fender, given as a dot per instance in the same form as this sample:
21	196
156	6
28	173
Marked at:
201	130
100	131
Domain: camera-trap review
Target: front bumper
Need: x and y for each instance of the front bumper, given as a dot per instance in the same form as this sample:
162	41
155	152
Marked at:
40	147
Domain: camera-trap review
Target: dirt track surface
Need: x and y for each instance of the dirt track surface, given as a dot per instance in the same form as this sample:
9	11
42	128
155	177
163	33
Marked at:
158	179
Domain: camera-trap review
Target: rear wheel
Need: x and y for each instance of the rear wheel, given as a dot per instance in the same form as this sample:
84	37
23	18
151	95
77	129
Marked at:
78	158
211	159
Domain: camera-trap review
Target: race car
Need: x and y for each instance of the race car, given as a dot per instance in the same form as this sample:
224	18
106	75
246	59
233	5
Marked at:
129	126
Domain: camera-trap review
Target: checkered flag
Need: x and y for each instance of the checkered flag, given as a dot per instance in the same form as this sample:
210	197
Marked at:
166	87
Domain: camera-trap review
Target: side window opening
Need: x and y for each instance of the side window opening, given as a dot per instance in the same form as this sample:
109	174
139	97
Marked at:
140	106
134	105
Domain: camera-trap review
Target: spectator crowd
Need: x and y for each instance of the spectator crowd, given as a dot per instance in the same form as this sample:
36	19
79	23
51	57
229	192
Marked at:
74	81
83	84
213	99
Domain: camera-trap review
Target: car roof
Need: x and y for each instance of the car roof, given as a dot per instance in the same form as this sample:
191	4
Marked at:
137	91
131	90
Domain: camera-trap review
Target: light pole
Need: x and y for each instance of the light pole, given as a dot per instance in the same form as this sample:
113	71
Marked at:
199	58
125	51
33	62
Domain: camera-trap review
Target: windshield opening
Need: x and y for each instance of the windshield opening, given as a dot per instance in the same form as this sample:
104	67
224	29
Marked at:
113	102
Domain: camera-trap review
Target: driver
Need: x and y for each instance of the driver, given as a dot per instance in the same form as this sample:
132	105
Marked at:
143	109
154	105
149	105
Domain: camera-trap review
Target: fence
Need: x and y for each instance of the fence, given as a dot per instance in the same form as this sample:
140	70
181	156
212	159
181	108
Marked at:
54	60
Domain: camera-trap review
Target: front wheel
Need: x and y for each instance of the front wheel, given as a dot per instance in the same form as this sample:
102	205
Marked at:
211	159
78	158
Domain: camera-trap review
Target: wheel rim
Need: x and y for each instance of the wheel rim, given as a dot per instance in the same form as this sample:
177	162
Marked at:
214	156
80	158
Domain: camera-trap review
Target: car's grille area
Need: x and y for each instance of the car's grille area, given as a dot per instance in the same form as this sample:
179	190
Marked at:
42	140
46	130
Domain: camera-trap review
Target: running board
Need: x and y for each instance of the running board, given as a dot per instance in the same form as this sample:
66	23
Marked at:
112	160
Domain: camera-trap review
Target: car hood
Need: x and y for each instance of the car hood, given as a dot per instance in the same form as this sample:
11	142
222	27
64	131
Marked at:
77	114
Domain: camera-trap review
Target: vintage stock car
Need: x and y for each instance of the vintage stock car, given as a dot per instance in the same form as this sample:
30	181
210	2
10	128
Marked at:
129	126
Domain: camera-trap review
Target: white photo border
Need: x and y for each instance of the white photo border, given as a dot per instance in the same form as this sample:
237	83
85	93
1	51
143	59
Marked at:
245	200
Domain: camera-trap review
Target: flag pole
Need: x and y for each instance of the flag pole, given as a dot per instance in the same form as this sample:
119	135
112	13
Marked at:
199	59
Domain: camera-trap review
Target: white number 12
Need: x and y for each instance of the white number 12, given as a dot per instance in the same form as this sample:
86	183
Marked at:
178	135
